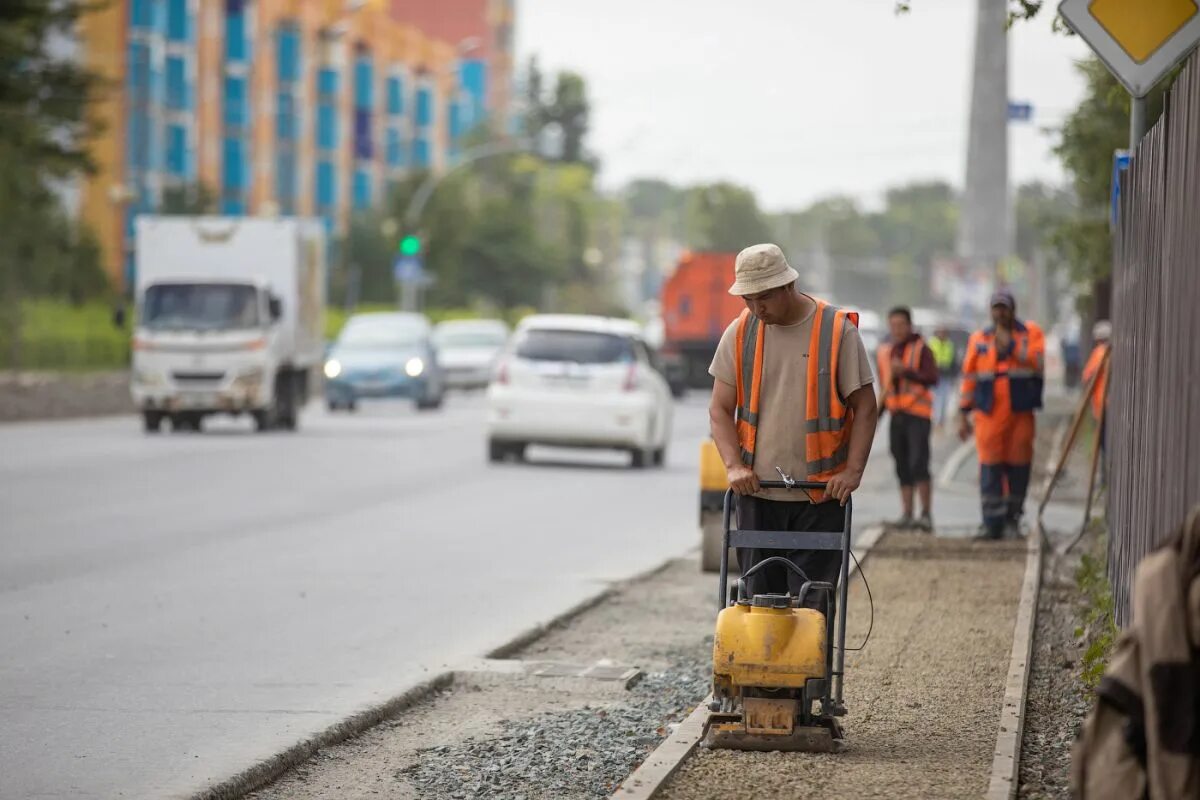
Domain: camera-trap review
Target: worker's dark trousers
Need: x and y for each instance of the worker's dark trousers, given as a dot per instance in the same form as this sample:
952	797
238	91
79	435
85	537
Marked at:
756	514
1002	489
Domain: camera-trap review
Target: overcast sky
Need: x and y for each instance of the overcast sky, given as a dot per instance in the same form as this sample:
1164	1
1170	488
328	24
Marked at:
797	99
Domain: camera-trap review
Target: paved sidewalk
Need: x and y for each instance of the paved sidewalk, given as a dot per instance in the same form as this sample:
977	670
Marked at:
924	696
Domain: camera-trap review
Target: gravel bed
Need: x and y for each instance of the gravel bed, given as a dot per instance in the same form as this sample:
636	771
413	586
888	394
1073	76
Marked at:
57	395
584	752
923	697
503	736
1056	701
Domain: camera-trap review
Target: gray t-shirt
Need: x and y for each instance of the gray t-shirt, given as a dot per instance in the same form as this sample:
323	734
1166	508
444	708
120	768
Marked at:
784	402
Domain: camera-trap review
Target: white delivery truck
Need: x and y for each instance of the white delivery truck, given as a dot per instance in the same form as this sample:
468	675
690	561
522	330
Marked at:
230	318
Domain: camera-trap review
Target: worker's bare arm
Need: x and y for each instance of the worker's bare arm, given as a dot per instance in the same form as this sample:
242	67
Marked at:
721	409
866	415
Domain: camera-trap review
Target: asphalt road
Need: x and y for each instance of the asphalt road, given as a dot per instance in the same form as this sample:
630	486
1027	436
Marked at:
173	609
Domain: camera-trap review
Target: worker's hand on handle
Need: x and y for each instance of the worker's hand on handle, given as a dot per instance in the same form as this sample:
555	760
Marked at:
743	480
964	427
841	485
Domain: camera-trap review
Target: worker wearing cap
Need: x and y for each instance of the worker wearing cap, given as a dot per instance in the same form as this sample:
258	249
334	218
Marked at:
1003	371
792	394
907	375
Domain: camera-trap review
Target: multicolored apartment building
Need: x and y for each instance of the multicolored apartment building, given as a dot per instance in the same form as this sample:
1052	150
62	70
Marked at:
308	107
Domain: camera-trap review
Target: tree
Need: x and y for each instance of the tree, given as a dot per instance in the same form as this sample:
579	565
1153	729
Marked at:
724	217
1088	139
44	127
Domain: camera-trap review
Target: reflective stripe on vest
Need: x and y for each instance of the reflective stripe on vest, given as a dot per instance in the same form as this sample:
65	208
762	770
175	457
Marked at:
911	397
828	420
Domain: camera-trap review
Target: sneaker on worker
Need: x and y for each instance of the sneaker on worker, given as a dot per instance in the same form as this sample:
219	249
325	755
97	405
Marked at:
905	522
925	523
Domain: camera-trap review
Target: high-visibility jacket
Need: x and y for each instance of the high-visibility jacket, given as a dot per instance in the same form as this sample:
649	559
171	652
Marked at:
828	418
903	394
943	353
1093	364
1022	367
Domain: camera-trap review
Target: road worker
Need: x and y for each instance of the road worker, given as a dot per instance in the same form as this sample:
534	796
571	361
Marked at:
1101	335
1003	375
945	357
907	375
792	394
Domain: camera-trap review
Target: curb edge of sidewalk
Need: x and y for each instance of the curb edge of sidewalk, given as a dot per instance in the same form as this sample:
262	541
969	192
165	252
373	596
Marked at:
270	769
1006	760
665	760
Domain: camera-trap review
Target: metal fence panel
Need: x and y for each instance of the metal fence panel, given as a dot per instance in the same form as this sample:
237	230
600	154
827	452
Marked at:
1154	396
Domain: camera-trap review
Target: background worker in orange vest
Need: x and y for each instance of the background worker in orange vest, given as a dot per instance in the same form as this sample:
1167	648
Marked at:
1002	385
792	392
1101	334
907	375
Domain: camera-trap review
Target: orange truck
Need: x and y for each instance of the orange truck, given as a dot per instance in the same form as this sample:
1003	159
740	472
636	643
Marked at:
696	309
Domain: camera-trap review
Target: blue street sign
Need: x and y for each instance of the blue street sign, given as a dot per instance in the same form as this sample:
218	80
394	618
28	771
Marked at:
1019	112
408	269
1120	164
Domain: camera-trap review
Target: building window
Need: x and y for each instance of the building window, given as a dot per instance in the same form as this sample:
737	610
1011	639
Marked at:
139	144
236	112
237	46
326	185
362	189
285	182
288	48
141	14
395	148
421	158
177	20
177	155
234	164
424	106
139	68
177	88
327	133
395	95
286	117
364	96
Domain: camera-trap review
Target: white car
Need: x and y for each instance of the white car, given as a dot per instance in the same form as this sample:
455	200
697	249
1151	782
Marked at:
579	381
468	350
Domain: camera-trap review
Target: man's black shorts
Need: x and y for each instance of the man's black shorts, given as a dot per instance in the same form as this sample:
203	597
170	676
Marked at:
910	448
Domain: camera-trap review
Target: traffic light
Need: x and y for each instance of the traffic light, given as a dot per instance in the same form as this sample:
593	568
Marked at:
410	245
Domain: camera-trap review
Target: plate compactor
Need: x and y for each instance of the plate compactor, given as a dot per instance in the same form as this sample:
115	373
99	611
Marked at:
777	681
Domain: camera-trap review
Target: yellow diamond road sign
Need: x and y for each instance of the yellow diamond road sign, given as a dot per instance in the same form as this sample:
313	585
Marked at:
1139	40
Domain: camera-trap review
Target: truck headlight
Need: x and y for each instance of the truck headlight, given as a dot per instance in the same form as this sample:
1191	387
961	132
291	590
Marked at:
147	377
333	368
249	380
414	367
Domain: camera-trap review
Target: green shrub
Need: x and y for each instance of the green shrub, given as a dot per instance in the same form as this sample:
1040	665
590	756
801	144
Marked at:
1097	627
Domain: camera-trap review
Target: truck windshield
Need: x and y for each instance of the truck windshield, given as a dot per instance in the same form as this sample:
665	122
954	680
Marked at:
200	306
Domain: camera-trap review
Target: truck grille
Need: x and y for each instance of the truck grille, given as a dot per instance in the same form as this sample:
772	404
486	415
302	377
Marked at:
198	377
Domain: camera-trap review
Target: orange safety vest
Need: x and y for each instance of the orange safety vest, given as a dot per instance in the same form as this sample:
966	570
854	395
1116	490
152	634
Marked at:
1093	364
828	419
905	396
1022	367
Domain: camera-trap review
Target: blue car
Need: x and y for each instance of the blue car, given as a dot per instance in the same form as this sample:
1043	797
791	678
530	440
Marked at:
384	355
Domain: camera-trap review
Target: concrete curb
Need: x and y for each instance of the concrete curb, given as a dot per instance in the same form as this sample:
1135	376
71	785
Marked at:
666	759
1006	762
270	769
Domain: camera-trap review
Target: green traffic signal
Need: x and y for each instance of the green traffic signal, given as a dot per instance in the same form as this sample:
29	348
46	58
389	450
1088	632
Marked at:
410	245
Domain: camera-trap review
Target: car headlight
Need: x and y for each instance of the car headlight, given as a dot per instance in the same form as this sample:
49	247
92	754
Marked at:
414	367
333	368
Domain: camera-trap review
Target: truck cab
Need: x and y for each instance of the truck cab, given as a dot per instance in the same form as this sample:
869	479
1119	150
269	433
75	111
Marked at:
228	320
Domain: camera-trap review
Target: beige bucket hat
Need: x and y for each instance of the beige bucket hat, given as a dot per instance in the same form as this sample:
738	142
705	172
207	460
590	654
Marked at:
760	268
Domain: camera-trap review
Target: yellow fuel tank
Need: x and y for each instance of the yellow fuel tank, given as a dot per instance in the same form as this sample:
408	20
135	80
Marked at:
769	647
